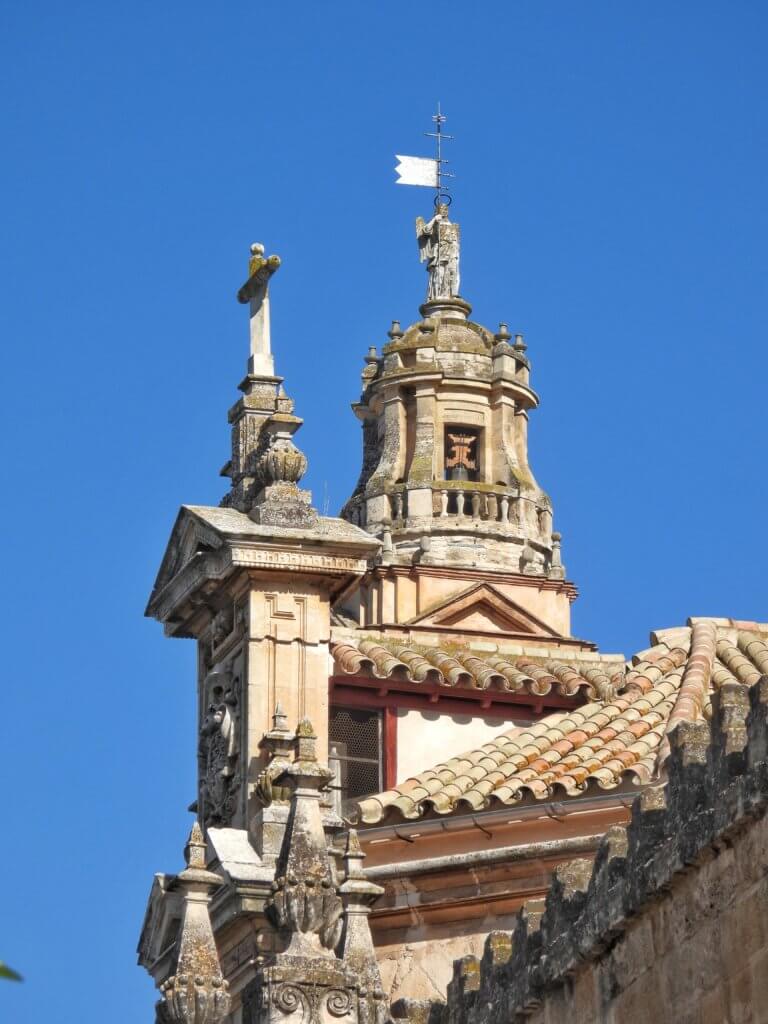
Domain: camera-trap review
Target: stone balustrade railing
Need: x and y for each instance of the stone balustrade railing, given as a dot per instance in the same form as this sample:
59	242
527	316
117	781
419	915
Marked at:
469	501
475	504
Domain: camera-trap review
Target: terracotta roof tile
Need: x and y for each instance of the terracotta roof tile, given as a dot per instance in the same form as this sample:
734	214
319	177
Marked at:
619	736
386	657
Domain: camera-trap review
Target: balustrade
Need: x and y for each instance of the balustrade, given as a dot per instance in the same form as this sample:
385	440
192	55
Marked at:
475	505
468	502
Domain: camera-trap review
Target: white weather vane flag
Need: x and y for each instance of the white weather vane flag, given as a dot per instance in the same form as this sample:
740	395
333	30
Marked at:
424	170
416	170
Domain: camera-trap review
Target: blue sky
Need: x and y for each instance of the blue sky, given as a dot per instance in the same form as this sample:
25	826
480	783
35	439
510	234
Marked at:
610	162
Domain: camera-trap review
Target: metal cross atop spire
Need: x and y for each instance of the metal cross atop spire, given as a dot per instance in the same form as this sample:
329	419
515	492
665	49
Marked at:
420	170
442	196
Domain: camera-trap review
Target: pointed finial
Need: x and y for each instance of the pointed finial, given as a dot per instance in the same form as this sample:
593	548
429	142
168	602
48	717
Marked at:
194	851
279	719
353	844
197	992
305	741
353	856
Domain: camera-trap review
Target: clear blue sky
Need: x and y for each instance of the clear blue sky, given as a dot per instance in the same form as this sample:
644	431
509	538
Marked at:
611	188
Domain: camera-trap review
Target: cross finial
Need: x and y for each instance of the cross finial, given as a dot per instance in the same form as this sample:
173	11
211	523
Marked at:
442	197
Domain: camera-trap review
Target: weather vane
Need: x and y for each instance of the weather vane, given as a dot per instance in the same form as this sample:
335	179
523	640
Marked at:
428	171
438	238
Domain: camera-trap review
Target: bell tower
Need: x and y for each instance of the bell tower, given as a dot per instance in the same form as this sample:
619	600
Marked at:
446	484
252	582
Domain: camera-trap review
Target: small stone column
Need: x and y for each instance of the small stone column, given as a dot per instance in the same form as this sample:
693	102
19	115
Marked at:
556	569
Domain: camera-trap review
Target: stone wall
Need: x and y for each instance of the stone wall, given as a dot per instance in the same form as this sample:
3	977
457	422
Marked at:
669	923
421	967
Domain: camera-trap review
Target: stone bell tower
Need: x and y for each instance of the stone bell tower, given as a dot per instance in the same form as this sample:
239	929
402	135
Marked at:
269	917
446	484
252	582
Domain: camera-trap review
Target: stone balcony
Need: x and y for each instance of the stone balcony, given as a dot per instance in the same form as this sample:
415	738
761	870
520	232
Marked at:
482	503
466	500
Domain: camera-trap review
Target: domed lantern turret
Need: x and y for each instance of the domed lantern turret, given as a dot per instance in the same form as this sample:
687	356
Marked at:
445	434
445	481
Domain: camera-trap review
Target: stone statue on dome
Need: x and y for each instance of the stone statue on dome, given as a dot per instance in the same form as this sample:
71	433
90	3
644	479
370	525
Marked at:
439	249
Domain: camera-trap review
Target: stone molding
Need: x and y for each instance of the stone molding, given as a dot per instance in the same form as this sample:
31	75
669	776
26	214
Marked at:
717	783
208	545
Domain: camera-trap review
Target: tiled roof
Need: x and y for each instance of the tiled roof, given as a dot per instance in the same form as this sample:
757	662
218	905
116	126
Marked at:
535	670
619	737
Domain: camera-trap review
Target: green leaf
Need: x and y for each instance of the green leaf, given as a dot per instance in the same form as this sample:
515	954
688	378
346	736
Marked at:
8	972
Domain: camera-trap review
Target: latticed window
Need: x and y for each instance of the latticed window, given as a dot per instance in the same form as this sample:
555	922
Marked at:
355	736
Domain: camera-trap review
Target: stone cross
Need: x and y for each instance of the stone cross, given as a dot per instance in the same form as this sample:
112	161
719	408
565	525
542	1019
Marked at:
256	292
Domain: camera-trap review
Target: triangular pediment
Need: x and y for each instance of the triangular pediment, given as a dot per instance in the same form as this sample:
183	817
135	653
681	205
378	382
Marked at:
484	609
188	537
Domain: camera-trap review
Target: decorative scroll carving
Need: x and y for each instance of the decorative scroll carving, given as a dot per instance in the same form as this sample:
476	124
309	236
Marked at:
339	1003
289	998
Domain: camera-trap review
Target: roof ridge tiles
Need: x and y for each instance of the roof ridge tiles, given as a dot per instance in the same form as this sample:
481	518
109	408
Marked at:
737	662
602	743
755	649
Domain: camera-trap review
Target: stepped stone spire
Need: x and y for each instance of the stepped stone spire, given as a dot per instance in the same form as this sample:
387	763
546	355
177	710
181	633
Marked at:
446	479
196	993
266	465
325	969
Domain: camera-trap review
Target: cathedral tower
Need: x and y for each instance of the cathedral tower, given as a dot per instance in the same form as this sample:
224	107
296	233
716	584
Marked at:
446	484
252	581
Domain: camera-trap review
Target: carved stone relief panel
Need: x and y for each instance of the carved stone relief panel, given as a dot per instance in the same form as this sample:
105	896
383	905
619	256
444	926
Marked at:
220	742
320	994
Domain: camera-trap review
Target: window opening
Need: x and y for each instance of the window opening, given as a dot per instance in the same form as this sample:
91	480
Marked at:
355	735
461	453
